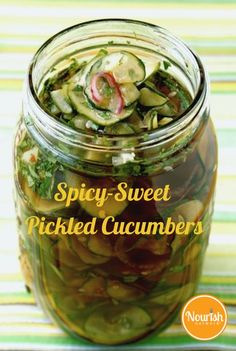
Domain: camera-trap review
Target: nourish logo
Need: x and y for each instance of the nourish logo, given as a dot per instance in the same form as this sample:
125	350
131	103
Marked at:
204	317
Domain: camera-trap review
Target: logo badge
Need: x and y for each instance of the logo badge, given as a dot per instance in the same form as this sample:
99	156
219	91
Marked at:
204	317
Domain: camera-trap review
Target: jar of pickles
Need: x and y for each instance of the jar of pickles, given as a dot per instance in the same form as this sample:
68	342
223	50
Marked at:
115	169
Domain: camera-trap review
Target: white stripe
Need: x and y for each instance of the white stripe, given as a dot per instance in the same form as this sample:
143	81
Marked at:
225	124
65	12
19	309
27	346
28	330
12	287
7	320
21	42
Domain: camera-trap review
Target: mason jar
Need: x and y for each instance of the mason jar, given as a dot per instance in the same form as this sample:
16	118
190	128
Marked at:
114	287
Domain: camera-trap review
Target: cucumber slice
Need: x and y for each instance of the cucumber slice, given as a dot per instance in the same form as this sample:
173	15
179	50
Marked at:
78	122
149	97
60	99
125	67
67	258
80	77
165	120
111	207
117	324
81	122
120	128
129	93
95	286
168	110
151	119
151	69
39	204
54	109
103	118
178	295
87	256
137	122
123	292
100	245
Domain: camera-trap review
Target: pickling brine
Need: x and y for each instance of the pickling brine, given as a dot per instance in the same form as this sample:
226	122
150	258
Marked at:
114	145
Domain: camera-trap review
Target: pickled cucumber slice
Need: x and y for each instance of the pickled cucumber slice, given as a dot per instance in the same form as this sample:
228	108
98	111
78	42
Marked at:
174	295
80	77
103	118
60	99
168	110
39	204
120	128
165	120
68	258
123	292
149	98
95	286
136	121
100	245
111	207
87	256
151	119
190	210
117	324
129	93
125	67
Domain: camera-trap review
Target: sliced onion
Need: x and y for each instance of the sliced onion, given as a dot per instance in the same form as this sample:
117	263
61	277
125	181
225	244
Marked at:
112	83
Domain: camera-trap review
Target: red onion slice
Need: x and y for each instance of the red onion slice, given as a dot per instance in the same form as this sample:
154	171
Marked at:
112	83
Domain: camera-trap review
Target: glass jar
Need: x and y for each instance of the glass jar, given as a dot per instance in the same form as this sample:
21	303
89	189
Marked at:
114	287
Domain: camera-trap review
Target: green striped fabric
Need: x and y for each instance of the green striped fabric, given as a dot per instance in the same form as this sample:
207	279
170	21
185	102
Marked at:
209	27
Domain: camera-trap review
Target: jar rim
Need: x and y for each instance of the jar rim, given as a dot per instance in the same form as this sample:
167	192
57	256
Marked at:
158	134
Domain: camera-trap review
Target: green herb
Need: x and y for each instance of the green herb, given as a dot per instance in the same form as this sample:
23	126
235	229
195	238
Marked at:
177	269
110	42
78	88
104	115
39	175
74	65
107	91
102	52
166	64
129	168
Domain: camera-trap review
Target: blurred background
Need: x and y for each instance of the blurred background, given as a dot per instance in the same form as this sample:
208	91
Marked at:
209	28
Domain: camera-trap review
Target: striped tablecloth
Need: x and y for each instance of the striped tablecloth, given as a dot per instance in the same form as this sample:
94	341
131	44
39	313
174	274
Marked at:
209	27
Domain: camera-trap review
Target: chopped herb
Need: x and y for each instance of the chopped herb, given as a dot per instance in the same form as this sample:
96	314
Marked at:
110	42
177	269
74	65
39	175
166	64
129	168
78	88
107	90
102	52
104	115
